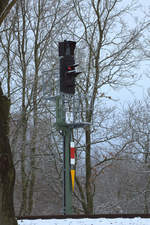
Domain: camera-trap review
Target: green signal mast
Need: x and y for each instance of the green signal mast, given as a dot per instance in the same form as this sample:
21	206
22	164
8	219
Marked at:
67	87
67	108
68	74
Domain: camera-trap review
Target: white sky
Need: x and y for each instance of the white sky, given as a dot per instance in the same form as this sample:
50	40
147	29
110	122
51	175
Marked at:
101	221
140	89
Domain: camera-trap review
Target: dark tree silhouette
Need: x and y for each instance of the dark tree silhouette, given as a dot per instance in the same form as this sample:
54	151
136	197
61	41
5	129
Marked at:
7	170
5	7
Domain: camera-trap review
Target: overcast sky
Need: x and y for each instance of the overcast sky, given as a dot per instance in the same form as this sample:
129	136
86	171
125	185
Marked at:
141	88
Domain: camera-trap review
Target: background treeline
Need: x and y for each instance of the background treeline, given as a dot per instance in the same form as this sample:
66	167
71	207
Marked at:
113	165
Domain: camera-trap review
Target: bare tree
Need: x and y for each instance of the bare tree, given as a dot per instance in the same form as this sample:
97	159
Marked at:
109	61
5	7
138	129
7	174
34	31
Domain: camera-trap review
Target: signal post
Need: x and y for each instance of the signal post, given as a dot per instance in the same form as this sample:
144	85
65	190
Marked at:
67	70
66	132
67	83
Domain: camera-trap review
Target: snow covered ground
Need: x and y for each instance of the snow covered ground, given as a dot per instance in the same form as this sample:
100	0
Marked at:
101	221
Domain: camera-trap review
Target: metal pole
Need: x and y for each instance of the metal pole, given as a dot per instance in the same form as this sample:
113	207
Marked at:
67	175
64	175
66	131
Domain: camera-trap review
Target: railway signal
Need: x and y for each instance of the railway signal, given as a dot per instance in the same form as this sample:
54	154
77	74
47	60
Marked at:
66	119
67	67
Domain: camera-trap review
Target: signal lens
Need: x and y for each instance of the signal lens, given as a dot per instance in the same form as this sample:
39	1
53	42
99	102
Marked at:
69	68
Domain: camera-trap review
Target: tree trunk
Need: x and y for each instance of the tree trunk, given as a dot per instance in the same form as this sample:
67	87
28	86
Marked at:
7	170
